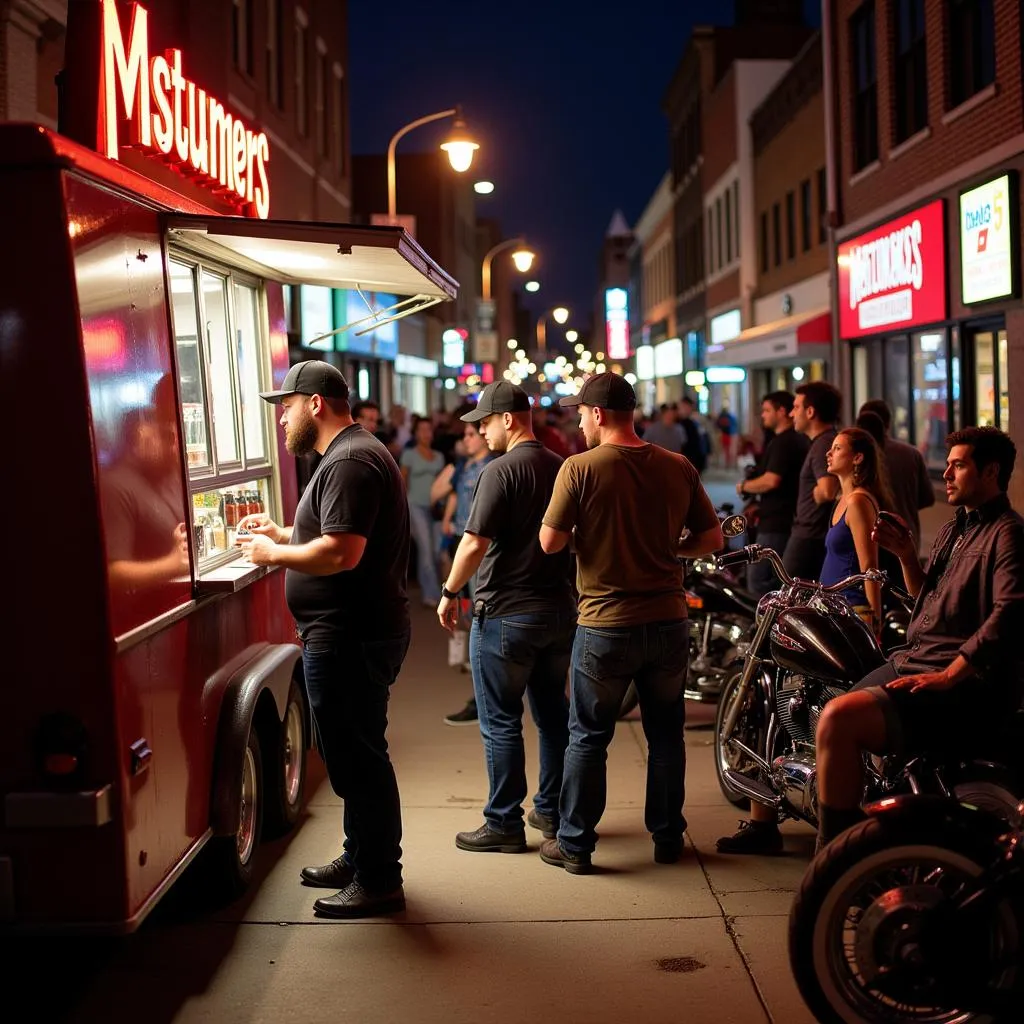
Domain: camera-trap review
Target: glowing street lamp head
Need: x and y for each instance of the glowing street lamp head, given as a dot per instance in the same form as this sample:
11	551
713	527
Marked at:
523	260
532	286
460	146
560	314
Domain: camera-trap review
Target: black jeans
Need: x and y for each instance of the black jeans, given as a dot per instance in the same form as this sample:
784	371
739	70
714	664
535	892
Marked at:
349	681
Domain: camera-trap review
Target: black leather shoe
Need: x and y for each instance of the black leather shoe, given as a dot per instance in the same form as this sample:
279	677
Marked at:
355	901
667	853
753	837
336	875
543	824
486	840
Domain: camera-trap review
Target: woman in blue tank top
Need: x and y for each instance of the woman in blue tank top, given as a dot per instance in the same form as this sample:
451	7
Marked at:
859	465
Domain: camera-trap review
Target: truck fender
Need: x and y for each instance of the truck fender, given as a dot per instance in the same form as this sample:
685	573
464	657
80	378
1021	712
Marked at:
273	670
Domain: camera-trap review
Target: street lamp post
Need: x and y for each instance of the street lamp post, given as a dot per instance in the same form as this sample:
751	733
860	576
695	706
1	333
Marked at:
459	146
560	315
522	257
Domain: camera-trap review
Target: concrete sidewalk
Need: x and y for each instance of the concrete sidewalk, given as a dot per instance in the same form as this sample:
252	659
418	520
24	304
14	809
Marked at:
486	938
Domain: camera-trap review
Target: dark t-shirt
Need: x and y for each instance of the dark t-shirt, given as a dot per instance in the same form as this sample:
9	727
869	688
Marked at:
511	496
812	519
357	488
785	455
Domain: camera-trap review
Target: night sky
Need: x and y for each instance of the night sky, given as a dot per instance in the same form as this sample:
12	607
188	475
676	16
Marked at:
565	101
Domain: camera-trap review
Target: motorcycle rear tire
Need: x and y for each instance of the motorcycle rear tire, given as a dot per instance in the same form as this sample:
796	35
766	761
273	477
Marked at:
828	984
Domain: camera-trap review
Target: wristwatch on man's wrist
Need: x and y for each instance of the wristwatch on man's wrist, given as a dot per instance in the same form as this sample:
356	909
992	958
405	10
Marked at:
451	595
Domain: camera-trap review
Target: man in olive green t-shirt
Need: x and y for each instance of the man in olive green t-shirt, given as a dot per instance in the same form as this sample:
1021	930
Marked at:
625	506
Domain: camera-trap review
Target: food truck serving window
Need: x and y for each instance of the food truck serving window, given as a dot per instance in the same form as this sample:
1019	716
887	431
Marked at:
221	369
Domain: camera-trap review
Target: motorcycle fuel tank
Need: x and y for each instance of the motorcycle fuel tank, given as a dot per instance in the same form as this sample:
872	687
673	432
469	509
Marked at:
824	642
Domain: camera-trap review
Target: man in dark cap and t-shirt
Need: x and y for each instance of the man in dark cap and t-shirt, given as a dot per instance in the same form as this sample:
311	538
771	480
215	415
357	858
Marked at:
524	618
625	505
345	559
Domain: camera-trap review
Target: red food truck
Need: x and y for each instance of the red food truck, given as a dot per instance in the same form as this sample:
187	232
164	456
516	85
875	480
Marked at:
153	706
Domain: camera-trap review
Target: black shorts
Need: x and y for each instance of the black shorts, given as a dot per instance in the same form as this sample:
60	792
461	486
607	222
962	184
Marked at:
924	721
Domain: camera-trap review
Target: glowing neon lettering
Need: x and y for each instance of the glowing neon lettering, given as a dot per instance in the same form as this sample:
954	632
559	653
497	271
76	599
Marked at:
175	117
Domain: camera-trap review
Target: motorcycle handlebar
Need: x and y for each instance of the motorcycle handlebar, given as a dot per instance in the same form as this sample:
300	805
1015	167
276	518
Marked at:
755	553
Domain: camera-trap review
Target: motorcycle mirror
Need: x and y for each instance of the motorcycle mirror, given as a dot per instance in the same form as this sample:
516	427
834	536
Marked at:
733	526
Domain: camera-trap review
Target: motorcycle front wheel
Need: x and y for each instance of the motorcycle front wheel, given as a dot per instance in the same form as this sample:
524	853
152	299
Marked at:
863	931
747	731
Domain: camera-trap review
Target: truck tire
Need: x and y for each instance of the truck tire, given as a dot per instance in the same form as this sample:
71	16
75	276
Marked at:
232	857
285	767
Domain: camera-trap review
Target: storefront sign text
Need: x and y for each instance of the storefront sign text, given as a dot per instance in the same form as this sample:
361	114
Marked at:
986	241
894	275
172	117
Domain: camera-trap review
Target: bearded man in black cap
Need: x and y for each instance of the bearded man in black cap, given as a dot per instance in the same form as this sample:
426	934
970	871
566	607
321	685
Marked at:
626	506
524	619
346	559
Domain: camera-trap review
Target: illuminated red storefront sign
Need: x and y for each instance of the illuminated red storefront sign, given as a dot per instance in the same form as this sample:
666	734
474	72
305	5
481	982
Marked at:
174	118
894	276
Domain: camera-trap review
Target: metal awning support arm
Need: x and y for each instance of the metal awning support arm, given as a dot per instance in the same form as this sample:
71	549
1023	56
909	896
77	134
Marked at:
415	304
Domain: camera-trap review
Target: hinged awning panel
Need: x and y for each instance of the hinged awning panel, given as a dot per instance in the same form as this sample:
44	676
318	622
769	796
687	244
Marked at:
379	259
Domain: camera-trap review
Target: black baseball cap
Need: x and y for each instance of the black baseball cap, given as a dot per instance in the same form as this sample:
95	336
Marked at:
604	391
312	377
501	396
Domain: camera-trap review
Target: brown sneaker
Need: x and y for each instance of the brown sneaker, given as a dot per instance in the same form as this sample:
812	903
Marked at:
575	863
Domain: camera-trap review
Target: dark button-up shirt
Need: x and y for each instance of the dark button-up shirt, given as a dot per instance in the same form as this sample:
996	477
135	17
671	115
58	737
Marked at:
972	600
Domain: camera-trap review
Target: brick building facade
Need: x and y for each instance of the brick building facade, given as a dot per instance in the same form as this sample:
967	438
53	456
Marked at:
929	153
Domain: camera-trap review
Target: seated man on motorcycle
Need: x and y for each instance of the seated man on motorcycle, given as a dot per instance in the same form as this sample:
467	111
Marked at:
959	673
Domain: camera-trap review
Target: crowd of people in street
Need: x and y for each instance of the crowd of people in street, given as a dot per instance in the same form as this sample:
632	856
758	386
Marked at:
564	541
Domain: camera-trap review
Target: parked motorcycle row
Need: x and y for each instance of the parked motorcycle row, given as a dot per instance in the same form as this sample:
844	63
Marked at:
916	914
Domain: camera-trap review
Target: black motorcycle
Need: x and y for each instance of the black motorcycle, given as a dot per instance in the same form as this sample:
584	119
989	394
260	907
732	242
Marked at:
809	647
916	914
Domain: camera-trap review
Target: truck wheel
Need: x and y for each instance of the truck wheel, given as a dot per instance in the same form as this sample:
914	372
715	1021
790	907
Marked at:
286	770
234	856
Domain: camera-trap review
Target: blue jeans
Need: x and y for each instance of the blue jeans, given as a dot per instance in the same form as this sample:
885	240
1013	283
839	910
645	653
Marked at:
604	662
513	655
349	681
761	578
426	533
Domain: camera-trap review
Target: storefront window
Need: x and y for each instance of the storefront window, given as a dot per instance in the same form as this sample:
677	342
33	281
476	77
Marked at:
954	377
897	386
992	400
216	514
931	394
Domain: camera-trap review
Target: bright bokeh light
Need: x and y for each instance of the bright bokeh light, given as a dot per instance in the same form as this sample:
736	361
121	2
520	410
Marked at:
571	335
599	357
560	314
532	367
521	355
512	343
798	373
561	360
532	286
631	378
523	260
601	367
587	354
579	350
483	188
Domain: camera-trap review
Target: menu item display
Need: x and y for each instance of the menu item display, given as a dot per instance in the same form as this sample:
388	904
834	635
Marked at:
217	513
